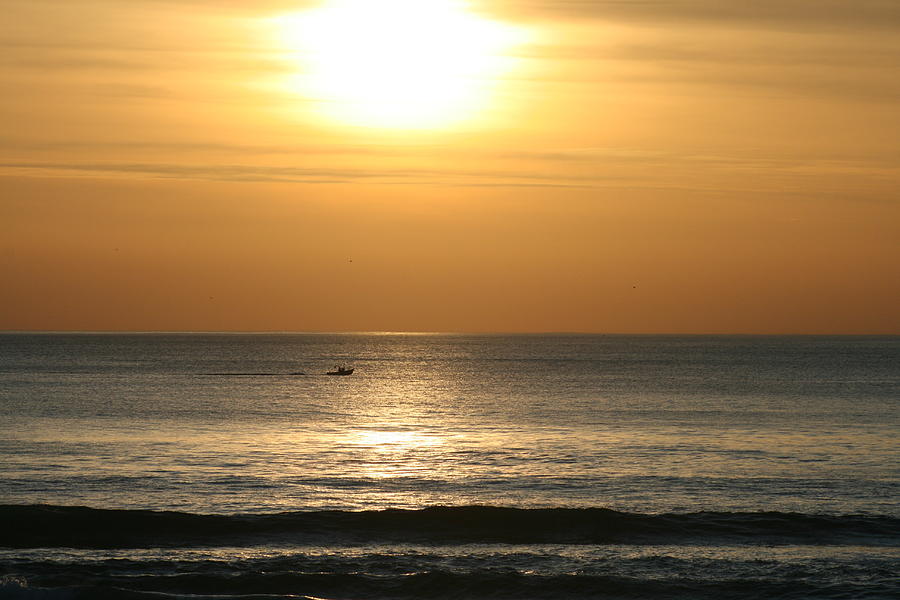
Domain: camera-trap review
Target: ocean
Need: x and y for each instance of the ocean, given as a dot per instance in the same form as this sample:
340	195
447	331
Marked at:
229	466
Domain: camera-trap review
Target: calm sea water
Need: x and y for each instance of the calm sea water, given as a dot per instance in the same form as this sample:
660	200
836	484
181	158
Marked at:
449	466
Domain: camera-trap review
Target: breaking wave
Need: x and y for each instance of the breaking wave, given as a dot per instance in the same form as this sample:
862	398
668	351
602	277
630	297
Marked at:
34	526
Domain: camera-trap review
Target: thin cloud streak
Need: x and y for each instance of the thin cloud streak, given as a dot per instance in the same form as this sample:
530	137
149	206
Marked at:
785	15
609	171
251	173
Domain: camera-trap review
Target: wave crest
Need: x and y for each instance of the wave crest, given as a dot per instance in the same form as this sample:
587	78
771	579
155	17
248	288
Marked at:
30	526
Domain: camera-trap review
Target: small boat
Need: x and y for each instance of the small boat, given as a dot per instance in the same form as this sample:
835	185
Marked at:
340	371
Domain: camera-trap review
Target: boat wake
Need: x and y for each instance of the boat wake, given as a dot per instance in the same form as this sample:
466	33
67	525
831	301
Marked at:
255	374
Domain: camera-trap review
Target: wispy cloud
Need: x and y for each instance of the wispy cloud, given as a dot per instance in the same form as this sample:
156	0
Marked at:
218	6
823	65
261	150
259	173
607	167
770	14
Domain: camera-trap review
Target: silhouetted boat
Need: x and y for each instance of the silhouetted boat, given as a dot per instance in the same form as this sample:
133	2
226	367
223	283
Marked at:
340	371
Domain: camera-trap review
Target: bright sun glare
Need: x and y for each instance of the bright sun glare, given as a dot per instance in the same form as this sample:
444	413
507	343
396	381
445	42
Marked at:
397	63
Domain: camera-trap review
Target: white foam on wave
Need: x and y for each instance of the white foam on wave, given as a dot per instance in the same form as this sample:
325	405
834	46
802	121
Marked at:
15	587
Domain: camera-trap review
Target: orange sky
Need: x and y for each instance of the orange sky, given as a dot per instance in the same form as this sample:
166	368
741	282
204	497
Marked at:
684	166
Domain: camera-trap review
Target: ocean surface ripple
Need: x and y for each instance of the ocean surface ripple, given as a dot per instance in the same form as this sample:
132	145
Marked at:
215	466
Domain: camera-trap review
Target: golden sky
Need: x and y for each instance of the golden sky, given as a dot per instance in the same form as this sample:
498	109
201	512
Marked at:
707	166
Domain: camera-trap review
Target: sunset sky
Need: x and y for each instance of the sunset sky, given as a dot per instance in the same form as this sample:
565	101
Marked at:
705	166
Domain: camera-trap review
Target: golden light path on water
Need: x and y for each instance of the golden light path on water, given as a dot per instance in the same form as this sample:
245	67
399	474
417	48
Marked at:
402	64
599	421
389	451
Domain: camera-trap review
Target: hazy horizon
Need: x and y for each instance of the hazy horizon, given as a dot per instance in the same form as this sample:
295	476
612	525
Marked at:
440	333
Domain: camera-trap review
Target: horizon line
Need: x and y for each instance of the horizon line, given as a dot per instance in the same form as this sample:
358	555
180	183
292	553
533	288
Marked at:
426	333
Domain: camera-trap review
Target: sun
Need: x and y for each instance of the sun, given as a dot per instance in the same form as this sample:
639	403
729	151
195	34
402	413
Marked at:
397	63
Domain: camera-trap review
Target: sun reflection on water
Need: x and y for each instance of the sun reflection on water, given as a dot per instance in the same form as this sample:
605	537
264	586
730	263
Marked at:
385	453
383	440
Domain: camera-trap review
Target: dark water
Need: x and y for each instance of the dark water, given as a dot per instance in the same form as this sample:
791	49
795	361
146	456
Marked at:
230	466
